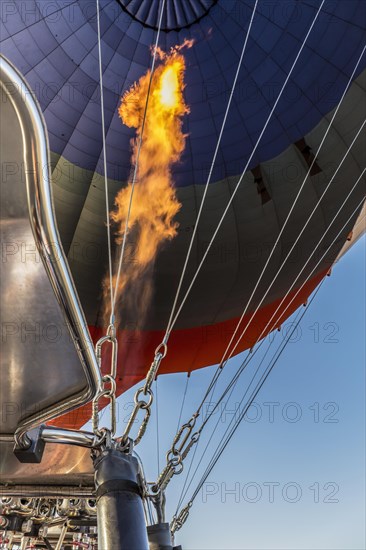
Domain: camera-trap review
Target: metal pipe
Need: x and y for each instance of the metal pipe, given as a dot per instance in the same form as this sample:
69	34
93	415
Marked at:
120	513
50	434
42	220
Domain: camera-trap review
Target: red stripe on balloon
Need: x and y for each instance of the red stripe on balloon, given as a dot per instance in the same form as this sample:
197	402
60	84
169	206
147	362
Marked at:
188	350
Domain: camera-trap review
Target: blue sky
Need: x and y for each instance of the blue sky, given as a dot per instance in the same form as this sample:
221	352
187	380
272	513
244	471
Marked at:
293	476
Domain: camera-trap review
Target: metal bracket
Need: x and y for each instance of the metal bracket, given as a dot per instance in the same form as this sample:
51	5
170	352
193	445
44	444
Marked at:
33	453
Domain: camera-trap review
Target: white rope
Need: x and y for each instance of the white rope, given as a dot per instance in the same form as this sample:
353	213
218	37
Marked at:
294	244
219	369
105	167
303	284
230	387
237	375
245	169
291	210
219	451
137	158
310	216
169	325
223	444
246	361
224	360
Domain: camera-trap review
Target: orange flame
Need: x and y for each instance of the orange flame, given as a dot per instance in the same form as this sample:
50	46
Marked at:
155	204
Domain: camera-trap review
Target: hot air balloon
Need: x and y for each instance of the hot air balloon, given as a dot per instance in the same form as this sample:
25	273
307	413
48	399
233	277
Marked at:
261	159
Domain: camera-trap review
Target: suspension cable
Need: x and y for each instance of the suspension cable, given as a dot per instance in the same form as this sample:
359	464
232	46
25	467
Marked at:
293	246
169	325
161	350
108	383
268	325
182	452
244	171
249	357
126	229
184	399
293	206
253	395
230	387
236	377
224	360
232	384
105	167
179	520
176	454
184	513
108	386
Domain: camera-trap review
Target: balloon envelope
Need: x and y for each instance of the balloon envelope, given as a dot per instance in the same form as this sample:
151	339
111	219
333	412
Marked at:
54	44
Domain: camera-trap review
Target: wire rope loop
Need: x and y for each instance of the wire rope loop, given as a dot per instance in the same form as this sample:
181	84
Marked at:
95	417
111	331
153	370
99	433
163	346
113	415
179	521
141	403
130	423
109	394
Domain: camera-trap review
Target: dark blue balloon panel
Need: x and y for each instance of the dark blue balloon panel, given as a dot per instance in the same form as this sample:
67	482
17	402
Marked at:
54	44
